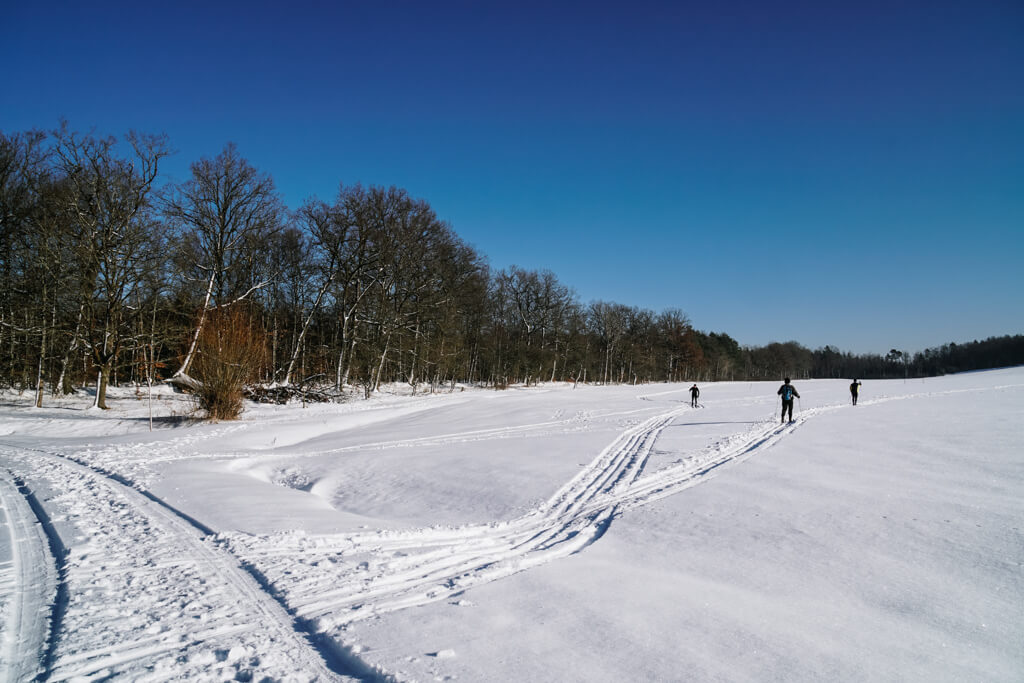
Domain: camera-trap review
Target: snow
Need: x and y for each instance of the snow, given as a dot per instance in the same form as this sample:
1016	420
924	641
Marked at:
550	533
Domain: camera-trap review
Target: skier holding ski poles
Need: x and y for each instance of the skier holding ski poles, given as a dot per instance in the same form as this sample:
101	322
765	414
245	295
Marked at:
694	393
854	390
787	391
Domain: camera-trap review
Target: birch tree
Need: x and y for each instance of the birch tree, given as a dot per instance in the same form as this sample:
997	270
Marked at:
314	275
224	211
349	236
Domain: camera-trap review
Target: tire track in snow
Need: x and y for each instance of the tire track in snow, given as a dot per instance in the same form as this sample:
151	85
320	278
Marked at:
149	581
29	594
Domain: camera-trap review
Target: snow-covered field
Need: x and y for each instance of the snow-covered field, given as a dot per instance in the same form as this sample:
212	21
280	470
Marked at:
542	534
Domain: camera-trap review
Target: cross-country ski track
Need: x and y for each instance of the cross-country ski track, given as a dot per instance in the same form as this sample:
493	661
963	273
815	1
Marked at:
283	593
28	584
235	603
139	545
325	581
348	578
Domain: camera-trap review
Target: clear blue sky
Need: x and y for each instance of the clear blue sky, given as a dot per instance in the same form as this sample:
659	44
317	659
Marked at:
835	173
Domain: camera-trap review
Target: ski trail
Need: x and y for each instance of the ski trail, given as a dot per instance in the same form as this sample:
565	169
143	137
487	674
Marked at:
290	595
29	591
345	579
168	598
136	461
436	440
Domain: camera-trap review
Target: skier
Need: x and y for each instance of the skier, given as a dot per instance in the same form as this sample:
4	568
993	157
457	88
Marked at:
854	388
694	393
787	391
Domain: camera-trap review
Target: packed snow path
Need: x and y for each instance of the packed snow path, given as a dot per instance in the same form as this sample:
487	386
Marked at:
150	596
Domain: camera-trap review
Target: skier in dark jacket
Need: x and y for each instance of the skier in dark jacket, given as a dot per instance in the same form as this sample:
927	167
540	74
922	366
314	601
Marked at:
694	393
787	391
854	388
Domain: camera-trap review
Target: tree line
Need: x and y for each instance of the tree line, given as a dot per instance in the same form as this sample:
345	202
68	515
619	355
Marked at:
791	358
109	275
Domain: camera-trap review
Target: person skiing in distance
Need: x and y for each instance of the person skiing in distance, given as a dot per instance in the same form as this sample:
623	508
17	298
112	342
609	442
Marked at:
854	388
694	393
787	391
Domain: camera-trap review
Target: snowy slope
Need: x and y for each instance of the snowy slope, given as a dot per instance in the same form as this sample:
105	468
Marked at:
541	534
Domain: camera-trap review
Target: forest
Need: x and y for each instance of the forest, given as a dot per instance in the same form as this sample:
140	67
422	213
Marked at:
110	275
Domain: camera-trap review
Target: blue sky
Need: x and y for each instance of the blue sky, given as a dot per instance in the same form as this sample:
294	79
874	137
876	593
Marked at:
848	174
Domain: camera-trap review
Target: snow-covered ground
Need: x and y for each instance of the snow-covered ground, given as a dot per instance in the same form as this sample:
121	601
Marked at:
542	534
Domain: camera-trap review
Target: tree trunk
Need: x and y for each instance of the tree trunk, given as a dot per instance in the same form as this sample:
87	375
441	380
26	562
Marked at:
415	357
183	370
39	381
42	357
348	363
151	365
101	390
341	359
380	368
302	335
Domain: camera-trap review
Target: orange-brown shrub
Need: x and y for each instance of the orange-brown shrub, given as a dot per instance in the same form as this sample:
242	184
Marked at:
229	355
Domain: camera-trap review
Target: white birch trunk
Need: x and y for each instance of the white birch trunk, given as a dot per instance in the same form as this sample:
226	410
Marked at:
71	349
380	368
99	384
42	358
302	334
183	370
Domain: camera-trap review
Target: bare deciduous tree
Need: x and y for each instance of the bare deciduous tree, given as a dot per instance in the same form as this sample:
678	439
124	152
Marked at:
113	232
226	211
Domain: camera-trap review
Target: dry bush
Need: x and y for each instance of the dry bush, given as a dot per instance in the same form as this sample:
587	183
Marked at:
230	354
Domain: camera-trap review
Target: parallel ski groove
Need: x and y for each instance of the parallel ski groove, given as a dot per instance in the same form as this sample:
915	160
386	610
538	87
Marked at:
242	588
413	568
31	588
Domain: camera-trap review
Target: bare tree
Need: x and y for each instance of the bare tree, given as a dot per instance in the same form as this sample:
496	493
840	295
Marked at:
225	210
22	161
113	232
312	268
609	324
536	303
